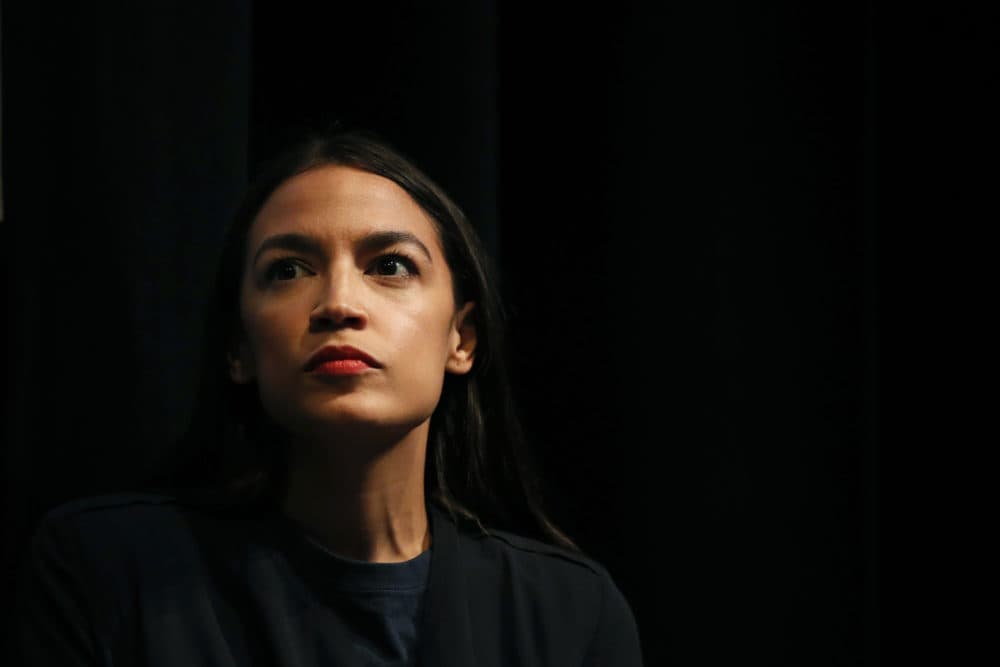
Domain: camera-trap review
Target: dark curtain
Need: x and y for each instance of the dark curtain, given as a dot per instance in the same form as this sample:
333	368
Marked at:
683	208
125	133
680	199
686	232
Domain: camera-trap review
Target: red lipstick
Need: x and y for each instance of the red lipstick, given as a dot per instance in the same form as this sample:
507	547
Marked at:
340	360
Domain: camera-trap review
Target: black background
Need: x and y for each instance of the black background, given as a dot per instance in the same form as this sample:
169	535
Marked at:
681	200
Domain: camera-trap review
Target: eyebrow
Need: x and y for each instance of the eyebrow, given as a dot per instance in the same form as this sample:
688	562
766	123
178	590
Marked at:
368	243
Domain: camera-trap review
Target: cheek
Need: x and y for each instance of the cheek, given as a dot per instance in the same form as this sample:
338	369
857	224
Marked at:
425	356
422	335
271	335
420	371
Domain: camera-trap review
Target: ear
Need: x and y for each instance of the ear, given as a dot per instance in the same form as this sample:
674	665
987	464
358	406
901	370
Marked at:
240	362
462	341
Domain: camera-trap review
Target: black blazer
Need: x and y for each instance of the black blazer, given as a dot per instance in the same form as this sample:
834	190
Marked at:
156	580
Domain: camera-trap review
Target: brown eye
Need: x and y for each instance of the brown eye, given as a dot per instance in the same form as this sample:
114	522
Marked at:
284	269
396	266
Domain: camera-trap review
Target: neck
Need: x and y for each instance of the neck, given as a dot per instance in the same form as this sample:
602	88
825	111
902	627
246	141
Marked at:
362	499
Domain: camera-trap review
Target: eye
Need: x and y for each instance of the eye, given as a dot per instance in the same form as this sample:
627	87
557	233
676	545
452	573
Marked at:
284	269
394	266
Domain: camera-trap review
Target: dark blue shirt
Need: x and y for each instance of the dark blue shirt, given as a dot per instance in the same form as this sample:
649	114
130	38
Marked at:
380	602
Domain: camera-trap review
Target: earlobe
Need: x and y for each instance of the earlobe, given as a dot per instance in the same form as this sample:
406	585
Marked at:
462	351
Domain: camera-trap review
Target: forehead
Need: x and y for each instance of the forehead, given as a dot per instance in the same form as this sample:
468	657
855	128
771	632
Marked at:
338	201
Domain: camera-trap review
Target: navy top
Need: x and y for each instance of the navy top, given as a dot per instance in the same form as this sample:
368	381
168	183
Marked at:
383	602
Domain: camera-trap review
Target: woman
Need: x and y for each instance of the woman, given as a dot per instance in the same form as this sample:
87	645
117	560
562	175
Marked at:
369	496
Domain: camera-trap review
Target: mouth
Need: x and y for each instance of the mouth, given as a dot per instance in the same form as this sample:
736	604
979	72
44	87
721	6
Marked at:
340	360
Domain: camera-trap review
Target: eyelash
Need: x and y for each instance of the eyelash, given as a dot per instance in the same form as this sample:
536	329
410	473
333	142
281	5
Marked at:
408	263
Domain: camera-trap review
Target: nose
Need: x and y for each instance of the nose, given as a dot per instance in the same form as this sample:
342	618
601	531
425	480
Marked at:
338	304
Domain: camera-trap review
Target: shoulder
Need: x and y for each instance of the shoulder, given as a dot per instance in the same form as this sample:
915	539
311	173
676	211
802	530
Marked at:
94	513
115	504
522	557
112	514
132	506
117	543
543	554
96	564
571	593
559	571
548	570
118	530
79	563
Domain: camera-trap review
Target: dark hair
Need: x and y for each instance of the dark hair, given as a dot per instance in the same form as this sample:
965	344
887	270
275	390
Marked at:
478	464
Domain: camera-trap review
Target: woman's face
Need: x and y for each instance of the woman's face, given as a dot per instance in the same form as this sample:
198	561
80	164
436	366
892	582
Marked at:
342	257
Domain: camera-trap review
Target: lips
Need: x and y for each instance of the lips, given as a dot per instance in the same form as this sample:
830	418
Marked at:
340	353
